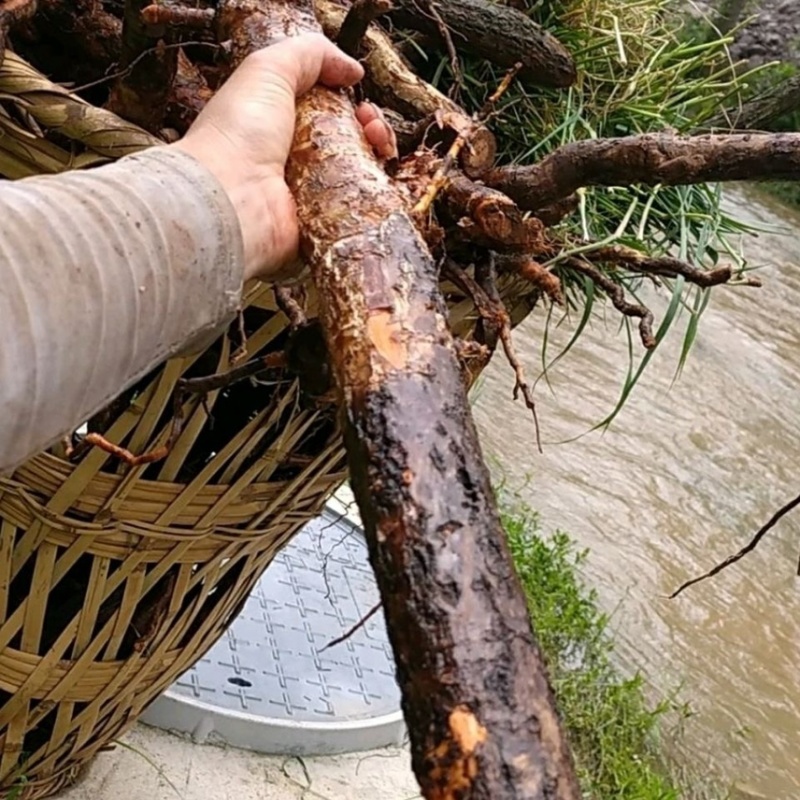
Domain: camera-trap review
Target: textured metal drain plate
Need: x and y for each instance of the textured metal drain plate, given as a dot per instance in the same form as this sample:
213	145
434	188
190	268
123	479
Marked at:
267	685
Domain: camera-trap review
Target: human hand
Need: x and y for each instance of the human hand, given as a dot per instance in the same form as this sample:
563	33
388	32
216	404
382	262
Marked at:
244	135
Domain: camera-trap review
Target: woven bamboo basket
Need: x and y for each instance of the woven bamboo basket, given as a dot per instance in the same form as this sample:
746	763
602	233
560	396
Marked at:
113	579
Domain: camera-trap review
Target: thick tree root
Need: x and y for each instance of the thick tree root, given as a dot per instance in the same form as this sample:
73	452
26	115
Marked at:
649	159
481	716
499	34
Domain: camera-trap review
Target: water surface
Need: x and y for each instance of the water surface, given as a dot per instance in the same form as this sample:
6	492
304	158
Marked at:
684	477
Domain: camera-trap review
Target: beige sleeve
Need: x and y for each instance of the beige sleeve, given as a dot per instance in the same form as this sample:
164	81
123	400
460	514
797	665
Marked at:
103	275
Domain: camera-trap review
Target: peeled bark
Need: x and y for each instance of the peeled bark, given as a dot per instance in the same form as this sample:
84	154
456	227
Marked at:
649	159
500	34
392	81
393	84
481	716
488	218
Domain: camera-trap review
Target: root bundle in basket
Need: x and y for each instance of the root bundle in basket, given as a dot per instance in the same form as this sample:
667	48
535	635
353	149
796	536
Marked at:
129	548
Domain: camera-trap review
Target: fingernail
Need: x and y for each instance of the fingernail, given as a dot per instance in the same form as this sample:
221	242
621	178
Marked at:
392	141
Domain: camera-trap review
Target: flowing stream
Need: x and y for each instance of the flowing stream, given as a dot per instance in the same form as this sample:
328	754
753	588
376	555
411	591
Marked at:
684	477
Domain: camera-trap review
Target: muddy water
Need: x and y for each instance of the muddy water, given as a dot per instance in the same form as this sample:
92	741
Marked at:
683	478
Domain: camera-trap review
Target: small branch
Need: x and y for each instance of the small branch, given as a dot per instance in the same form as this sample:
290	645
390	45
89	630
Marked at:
357	627
149	457
221	380
354	28
748	548
649	159
520	383
194	19
497	328
430	8
463	138
287	302
617	295
668	267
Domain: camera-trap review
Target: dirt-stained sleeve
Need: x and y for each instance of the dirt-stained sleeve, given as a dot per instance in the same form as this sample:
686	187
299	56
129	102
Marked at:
103	275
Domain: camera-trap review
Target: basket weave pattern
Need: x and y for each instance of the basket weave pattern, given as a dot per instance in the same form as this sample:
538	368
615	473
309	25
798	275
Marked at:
115	580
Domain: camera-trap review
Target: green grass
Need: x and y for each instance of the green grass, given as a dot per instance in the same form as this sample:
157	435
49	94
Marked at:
700	30
786	191
638	73
613	728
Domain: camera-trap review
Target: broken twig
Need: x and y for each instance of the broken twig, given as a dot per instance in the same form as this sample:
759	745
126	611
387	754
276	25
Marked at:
748	548
497	327
359	17
357	627
462	139
617	296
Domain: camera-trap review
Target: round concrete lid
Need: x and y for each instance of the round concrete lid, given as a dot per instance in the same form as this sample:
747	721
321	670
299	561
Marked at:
271	685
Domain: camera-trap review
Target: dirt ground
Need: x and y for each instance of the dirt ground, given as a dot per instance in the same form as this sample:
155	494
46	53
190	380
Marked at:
153	765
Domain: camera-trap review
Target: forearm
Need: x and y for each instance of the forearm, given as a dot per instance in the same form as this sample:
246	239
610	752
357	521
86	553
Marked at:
103	275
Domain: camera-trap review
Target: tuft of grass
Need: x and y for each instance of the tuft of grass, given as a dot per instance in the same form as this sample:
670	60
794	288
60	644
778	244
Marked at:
613	729
638	72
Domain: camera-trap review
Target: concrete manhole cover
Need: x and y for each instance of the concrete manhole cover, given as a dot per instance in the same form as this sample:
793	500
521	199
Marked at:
268	686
